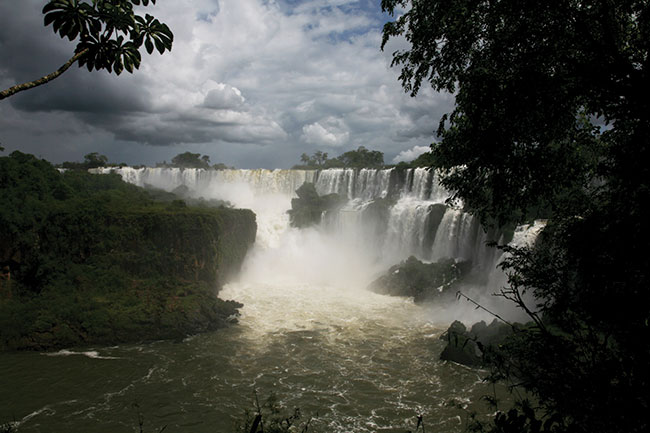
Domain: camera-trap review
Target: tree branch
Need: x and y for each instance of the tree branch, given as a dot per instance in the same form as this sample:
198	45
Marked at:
46	79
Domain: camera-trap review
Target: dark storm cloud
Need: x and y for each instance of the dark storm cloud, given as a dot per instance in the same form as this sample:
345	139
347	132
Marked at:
280	77
30	51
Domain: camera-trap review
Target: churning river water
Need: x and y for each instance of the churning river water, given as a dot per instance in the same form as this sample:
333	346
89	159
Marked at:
309	333
361	362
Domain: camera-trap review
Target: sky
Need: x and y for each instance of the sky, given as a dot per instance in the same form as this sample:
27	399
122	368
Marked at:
250	83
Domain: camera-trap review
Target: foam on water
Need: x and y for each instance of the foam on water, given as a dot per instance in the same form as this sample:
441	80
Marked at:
309	331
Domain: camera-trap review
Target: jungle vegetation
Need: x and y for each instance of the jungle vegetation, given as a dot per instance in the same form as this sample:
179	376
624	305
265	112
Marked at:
552	113
360	158
88	259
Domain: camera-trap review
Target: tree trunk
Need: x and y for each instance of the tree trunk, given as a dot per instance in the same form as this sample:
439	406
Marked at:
46	79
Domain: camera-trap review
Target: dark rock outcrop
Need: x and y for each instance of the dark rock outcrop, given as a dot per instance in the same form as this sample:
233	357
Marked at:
423	281
308	208
468	347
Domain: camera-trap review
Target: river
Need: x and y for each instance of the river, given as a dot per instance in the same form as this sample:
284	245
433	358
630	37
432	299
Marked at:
309	334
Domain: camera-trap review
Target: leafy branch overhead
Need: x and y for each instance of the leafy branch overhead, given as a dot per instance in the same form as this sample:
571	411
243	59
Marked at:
109	33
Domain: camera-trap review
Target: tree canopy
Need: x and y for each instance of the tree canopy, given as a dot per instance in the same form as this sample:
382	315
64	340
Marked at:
530	80
360	158
552	117
91	160
190	160
109	35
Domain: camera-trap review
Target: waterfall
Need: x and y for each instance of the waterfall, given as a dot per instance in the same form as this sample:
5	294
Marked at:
390	214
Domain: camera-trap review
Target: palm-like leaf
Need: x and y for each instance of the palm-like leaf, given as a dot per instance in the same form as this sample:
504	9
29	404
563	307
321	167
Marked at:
154	33
69	18
110	33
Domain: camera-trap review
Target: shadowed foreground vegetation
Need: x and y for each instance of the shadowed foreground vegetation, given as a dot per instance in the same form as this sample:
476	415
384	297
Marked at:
551	113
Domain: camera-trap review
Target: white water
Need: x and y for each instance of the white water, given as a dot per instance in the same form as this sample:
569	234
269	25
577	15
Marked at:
319	275
309	331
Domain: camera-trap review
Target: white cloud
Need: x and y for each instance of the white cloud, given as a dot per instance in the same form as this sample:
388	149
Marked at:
333	134
223	97
411	154
293	78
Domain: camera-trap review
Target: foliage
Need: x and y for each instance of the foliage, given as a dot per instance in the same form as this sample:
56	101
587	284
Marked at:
426	159
551	118
102	26
360	158
109	35
7	428
222	166
88	258
525	100
91	160
191	160
318	159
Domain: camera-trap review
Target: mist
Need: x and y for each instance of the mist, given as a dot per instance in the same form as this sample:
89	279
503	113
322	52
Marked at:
314	274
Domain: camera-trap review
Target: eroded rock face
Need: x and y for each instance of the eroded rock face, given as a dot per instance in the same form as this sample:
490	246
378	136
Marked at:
425	282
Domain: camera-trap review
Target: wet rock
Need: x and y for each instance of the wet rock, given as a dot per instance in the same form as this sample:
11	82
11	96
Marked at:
468	347
425	282
308	208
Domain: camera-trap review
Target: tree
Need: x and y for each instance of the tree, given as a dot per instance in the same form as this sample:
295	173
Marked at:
94	159
362	158
91	160
191	160
109	35
320	158
552	117
526	76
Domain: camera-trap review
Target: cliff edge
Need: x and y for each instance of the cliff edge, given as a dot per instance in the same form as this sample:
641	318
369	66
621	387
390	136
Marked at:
88	259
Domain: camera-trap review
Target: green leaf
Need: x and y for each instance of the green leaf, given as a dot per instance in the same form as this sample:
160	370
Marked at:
159	45
148	45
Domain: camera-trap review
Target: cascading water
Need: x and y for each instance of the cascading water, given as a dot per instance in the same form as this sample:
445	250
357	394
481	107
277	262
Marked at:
309	331
405	225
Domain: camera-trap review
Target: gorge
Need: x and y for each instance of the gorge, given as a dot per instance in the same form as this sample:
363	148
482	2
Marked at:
309	330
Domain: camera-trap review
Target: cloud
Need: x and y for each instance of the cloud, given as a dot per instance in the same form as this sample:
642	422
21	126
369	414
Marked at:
333	134
223	97
411	154
285	75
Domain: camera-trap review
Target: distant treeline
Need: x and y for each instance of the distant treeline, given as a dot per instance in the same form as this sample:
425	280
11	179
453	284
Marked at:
182	160
360	158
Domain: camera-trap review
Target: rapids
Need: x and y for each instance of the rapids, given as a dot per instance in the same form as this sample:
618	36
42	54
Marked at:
309	332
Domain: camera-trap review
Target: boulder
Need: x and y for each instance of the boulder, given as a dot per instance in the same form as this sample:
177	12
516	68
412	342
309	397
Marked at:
307	210
468	347
425	282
